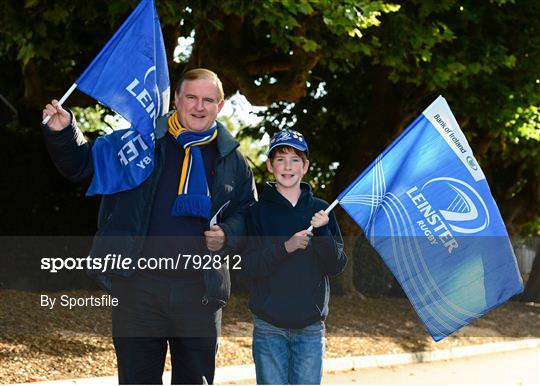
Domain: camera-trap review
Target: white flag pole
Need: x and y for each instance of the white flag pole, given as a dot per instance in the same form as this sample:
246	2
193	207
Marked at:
327	210
61	101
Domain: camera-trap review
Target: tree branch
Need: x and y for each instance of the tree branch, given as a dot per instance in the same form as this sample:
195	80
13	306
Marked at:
239	65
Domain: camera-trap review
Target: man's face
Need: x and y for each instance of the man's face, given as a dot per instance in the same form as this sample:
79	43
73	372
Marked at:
197	104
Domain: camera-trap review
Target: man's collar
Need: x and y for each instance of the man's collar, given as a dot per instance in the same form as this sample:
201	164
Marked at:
225	141
162	125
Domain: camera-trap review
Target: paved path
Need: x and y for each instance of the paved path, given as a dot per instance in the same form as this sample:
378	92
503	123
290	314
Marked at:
510	368
511	362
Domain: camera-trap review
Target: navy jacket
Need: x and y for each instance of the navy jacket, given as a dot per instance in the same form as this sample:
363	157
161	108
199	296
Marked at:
290	290
124	217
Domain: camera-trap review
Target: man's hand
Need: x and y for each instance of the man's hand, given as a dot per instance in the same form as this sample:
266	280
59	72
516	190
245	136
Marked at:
60	118
215	238
319	219
299	240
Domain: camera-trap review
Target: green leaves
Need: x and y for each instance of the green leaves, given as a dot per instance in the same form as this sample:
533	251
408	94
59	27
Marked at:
26	52
483	57
525	124
30	3
378	62
56	15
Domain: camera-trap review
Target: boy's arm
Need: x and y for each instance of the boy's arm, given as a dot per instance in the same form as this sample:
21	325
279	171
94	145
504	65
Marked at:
328	248
260	257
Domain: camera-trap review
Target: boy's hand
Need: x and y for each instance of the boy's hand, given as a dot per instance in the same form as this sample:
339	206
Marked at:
215	238
299	240
320	219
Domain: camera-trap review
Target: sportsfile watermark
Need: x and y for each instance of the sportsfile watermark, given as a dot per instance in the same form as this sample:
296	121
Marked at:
113	261
53	279
71	302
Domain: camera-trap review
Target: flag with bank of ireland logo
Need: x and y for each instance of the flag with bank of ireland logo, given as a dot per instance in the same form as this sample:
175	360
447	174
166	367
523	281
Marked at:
425	206
130	76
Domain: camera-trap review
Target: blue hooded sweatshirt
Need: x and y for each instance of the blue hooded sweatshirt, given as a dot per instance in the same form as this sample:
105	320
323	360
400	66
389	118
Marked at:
290	290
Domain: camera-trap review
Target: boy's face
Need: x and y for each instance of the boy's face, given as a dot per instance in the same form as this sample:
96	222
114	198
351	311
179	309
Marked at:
287	168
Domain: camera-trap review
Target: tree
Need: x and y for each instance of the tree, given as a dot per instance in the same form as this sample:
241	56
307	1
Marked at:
350	74
531	292
482	57
45	45
264	49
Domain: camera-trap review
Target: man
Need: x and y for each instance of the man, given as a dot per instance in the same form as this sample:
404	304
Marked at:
161	217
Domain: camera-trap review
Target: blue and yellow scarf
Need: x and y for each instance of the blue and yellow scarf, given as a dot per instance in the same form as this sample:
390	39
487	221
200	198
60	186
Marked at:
193	198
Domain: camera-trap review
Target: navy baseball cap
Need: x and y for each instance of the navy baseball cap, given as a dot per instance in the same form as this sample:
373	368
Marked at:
288	138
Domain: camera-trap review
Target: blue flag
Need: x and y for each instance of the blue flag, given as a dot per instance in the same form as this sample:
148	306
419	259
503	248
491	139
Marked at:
130	76
425	206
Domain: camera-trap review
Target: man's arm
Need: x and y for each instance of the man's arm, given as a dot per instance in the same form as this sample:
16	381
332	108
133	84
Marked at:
234	225
69	150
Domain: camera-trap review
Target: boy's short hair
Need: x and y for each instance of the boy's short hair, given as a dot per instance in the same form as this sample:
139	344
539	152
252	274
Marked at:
202	73
284	150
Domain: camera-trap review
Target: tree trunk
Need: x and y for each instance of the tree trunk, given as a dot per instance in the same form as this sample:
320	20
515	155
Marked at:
343	285
532	289
384	123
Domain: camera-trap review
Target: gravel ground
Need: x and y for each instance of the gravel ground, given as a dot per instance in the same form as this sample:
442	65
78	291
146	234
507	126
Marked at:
37	344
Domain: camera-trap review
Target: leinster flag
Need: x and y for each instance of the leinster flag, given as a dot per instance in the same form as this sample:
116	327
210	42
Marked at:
425	206
130	76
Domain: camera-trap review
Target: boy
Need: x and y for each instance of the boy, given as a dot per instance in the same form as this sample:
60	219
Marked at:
289	267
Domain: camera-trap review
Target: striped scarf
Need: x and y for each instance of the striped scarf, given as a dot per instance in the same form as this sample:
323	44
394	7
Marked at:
193	198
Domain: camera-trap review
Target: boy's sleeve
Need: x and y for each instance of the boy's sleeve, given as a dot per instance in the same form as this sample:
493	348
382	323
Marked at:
328	248
261	256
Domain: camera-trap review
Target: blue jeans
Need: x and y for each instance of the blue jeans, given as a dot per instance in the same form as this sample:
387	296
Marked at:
288	356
